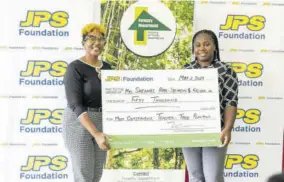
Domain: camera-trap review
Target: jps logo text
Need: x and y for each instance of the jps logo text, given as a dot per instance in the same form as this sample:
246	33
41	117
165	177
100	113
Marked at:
253	23
249	161
112	78
35	116
56	163
252	70
35	68
57	19
250	116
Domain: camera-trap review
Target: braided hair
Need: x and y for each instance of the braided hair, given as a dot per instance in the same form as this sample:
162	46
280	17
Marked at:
214	38
276	178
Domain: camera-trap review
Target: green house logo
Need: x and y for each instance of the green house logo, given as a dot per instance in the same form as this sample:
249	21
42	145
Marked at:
145	22
148	28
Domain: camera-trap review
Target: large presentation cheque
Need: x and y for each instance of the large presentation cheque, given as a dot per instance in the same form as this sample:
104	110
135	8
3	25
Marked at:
161	108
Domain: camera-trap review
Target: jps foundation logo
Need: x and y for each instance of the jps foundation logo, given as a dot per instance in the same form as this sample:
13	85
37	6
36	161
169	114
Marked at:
247	120
42	120
44	167
148	28
243	27
241	166
249	116
43	68
249	74
44	23
250	70
57	19
249	161
112	79
253	23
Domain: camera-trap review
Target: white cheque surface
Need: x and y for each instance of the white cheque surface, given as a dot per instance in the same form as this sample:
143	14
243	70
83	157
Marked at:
148	106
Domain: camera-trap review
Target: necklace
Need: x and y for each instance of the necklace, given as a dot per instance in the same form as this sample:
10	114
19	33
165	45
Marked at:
97	68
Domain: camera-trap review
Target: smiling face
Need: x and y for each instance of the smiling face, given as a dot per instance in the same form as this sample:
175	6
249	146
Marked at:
204	48
94	43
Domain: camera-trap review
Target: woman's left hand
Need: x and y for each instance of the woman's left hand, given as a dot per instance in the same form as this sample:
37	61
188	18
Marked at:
225	137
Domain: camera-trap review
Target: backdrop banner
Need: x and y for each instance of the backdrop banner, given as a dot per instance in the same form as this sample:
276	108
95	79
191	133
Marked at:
41	38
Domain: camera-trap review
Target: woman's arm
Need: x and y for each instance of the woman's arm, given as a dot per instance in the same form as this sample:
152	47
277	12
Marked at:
230	94
74	94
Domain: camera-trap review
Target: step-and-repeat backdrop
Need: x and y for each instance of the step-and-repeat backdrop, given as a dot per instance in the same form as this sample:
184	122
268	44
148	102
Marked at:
40	38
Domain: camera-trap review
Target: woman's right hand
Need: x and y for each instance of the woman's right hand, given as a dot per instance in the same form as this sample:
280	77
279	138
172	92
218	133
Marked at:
101	139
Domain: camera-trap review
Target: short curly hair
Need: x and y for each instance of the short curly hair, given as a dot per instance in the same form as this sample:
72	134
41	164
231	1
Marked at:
92	27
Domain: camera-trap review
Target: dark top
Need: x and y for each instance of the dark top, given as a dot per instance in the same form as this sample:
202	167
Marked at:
82	86
228	84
